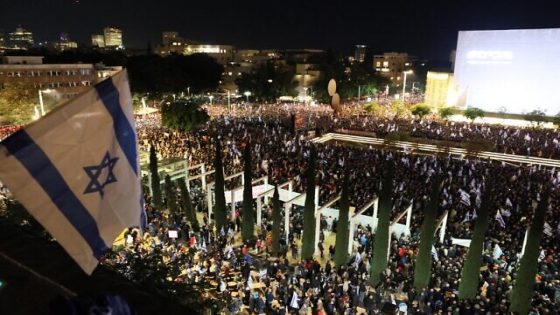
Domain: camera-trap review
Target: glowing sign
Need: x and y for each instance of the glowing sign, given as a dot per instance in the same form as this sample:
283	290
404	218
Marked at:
489	57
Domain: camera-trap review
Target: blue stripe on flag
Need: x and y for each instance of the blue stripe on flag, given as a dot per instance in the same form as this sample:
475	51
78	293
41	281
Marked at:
123	130
38	164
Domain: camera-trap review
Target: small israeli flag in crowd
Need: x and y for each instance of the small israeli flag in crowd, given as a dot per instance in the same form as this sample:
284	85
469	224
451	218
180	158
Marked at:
76	170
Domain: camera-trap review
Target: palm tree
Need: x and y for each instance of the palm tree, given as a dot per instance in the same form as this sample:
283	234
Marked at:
470	274
247	215
342	232
220	207
156	187
276	222
524	286
308	242
424	258
381	242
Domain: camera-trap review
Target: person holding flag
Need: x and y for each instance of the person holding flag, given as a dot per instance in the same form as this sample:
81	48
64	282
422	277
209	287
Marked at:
76	170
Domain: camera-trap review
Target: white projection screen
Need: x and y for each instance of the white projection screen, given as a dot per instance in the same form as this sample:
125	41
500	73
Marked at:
513	70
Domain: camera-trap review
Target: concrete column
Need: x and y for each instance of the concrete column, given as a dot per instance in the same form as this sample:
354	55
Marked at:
351	227
317	220
150	184
232	205
408	218
443	228
524	243
287	207
203	178
209	200
259	211
375	209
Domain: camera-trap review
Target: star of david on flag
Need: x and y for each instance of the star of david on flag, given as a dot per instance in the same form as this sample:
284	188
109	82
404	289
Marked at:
95	172
76	170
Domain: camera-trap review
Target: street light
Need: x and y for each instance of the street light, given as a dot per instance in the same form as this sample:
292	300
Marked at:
211	97
404	82
247	94
188	90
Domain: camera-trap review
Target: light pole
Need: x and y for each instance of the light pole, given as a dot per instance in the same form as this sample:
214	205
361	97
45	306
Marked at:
228	100
211	97
404	83
247	94
188	91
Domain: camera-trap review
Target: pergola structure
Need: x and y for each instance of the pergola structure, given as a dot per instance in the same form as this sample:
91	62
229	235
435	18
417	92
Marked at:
178	170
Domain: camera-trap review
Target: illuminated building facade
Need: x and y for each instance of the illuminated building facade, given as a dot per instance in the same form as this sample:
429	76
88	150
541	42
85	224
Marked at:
21	39
360	53
113	37
392	64
61	80
440	89
98	40
65	43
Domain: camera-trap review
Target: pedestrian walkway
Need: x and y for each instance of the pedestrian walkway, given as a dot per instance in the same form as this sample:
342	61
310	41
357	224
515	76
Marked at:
432	149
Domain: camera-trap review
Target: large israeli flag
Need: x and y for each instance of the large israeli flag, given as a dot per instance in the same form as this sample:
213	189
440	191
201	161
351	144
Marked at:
76	170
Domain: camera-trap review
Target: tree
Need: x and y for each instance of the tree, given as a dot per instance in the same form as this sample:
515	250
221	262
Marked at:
473	113
308	242
445	112
247	214
556	119
398	109
170	195
536	117
17	103
424	259
183	115
156	186
381	242
421	110
524	286
187	204
276	222
468	287
373	108
220	208
342	232
268	82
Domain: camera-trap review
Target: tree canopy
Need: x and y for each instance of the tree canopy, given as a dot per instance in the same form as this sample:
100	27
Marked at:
183	114
268	82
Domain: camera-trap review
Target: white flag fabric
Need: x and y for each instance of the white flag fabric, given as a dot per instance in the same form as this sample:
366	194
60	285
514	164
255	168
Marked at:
76	170
500	219
295	300
461	242
497	253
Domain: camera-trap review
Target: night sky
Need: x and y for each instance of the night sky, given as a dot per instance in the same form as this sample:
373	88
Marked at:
425	28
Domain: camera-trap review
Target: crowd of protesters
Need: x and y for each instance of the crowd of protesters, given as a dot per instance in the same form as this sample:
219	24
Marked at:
252	282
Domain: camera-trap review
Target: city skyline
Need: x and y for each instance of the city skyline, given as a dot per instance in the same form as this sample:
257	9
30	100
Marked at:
425	29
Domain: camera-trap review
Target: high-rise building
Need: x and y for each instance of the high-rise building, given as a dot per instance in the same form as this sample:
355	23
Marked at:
360	53
392	65
64	43
21	39
2	41
113	37
98	40
168	38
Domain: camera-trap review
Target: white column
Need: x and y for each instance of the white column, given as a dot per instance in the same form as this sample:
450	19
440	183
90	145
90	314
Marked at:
209	199
443	227
408	218
150	184
389	242
259	211
524	243
375	208
232	205
291	187
243	178
317	220
203	178
287	207
351	227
